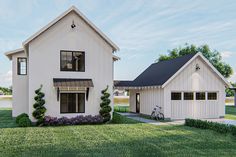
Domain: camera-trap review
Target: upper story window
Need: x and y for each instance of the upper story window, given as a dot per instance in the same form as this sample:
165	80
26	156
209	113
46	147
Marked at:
72	61
22	66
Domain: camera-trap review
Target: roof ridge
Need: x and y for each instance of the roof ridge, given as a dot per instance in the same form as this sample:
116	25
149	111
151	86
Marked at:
176	57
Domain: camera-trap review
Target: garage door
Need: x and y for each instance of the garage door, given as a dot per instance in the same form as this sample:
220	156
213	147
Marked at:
194	105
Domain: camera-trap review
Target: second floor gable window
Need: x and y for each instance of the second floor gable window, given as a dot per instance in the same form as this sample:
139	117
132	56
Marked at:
21	66
72	61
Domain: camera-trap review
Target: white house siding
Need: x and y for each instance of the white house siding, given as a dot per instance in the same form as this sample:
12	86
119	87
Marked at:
20	88
44	63
132	100
191	80
149	98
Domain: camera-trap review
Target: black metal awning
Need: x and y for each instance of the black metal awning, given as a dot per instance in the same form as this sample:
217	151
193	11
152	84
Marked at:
70	84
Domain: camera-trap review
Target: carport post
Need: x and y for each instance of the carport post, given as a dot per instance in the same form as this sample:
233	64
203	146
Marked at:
234	89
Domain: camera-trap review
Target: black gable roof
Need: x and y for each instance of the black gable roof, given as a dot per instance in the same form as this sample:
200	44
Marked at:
157	73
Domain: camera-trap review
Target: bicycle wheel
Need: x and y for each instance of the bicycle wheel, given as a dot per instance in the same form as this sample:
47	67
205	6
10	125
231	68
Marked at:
161	116
153	116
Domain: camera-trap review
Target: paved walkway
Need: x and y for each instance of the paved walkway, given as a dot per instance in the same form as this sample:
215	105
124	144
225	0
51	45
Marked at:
224	121
137	117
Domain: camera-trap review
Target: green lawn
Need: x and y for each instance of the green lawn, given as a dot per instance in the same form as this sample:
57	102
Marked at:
230	112
128	139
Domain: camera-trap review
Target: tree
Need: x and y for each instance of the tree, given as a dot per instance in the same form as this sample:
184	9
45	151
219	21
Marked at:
105	108
213	56
40	110
229	92
5	91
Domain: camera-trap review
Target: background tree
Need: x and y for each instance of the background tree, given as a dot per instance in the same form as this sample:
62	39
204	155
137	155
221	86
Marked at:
105	108
230	92
213	56
39	112
6	91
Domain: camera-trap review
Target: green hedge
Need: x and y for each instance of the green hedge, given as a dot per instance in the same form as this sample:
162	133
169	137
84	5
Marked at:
121	108
119	119
221	128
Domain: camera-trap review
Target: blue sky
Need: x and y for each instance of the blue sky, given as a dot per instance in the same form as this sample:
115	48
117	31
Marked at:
143	29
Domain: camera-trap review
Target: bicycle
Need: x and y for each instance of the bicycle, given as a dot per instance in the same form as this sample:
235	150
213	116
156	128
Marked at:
157	114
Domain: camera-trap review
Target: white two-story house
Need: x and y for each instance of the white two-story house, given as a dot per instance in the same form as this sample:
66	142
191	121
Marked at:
72	59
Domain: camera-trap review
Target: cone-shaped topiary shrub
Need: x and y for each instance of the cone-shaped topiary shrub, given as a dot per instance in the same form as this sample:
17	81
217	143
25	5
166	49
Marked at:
40	110
105	108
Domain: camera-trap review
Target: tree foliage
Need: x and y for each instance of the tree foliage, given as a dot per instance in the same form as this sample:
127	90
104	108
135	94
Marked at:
213	56
5	91
39	112
230	92
105	108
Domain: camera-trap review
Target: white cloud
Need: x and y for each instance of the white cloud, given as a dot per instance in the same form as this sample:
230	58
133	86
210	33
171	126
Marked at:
226	54
6	79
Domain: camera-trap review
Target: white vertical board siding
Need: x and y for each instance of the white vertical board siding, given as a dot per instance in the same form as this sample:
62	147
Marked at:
149	98
203	80
44	63
20	88
132	100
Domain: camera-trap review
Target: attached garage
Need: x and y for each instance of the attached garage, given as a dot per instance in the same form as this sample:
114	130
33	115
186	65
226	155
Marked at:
185	87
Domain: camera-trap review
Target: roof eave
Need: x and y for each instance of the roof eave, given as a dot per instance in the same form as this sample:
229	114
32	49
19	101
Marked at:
10	53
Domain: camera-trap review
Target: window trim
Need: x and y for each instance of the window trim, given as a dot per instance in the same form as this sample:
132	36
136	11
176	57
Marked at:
72	55
18	67
76	104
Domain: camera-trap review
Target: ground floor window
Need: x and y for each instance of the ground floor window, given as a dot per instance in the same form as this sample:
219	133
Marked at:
200	96
188	96
175	96
72	102
212	96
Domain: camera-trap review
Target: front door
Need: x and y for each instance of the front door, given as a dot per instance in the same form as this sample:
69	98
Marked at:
137	102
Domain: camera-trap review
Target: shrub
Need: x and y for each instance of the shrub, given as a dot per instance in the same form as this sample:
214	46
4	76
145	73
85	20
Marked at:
40	110
78	120
119	119
105	108
25	122
221	128
21	116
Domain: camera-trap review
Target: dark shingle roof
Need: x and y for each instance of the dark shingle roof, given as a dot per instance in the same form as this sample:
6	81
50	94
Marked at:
157	73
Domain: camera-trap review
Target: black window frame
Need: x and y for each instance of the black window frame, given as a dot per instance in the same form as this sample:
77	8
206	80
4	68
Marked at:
212	93
173	94
199	95
76	104
70	51
186	98
19	67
